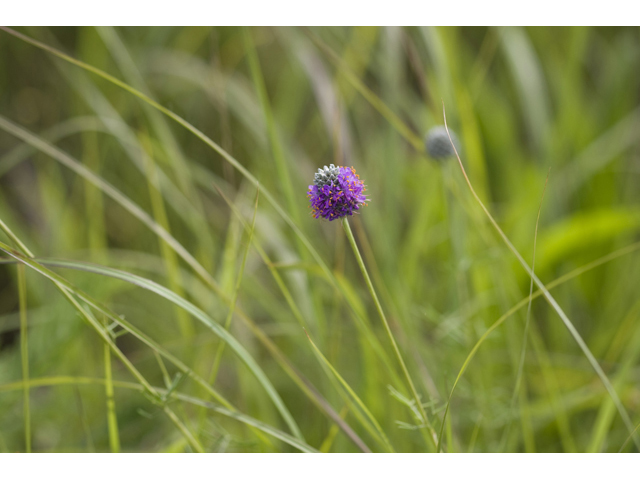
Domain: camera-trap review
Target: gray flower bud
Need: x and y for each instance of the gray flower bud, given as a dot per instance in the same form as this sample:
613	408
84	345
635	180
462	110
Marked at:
438	145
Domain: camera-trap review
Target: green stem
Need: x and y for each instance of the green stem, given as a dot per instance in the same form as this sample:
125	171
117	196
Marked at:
24	352
365	274
112	418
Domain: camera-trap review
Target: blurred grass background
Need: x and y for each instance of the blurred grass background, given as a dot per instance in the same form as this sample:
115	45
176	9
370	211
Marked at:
283	102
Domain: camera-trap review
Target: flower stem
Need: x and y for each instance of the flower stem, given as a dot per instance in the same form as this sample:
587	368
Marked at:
365	274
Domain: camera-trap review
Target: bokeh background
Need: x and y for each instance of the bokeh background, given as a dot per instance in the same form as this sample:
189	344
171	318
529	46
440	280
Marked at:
526	103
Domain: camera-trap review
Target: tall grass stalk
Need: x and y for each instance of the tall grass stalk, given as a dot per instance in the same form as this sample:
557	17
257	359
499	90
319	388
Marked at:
112	417
523	353
24	353
234	298
185	323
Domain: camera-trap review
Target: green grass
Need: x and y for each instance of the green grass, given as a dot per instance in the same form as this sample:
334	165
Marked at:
158	265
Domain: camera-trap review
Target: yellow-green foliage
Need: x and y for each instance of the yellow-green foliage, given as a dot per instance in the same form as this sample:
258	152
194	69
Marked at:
153	209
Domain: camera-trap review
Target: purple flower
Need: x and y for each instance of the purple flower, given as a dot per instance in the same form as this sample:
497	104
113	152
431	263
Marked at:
336	192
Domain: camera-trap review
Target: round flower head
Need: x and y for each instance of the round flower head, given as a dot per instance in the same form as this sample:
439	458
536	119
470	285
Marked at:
438	144
336	192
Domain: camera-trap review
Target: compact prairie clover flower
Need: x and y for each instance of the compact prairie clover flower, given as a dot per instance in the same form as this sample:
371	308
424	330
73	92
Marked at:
438	144
336	192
